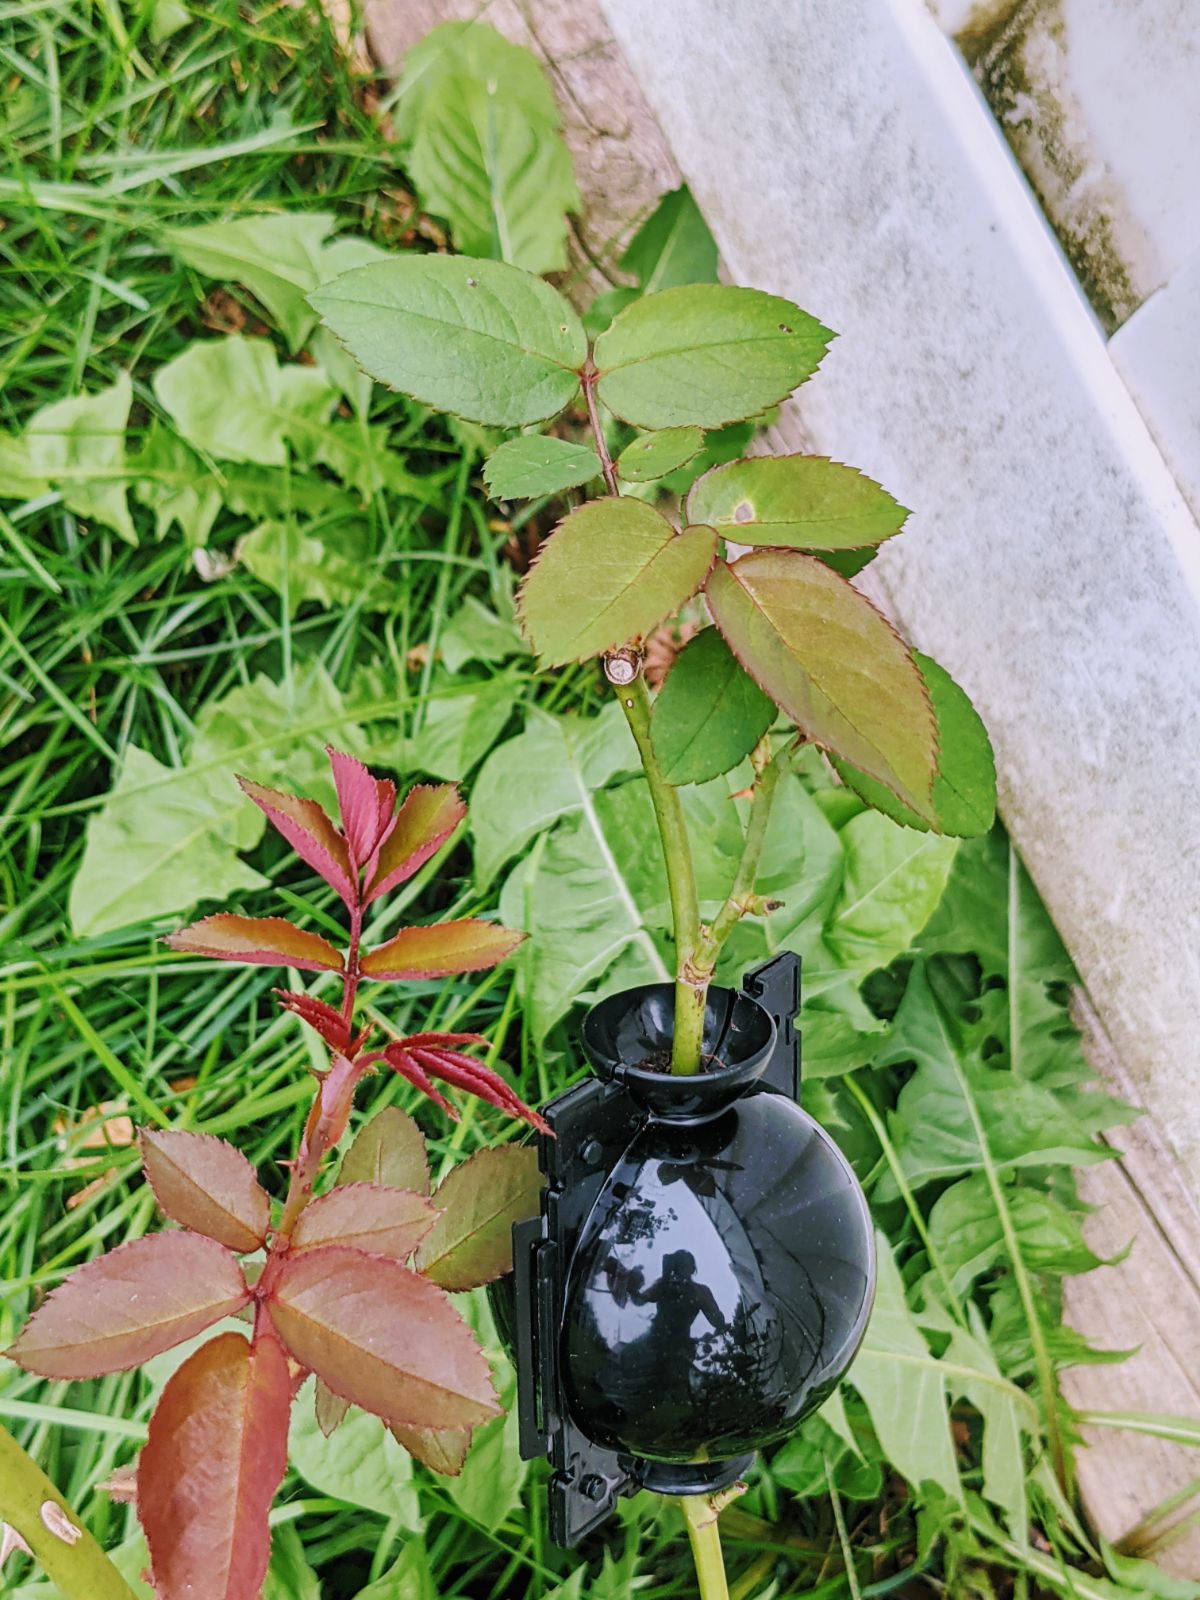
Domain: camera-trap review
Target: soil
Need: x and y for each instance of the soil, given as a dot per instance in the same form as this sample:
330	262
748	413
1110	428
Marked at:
660	1061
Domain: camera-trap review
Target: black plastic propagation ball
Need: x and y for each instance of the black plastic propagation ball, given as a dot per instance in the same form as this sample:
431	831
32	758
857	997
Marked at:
722	1282
701	1268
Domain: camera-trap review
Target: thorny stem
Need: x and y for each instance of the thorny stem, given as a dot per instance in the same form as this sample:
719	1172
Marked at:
696	947
705	1538
64	1549
741	901
350	981
681	880
590	376
326	1119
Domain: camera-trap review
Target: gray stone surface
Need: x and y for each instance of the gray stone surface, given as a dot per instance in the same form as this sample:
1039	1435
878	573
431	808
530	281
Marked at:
839	152
1099	101
1158	354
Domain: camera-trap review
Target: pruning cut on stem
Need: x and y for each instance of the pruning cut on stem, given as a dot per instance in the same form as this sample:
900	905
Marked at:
35	1519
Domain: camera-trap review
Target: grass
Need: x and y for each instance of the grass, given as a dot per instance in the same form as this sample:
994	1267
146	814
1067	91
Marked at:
109	135
107	138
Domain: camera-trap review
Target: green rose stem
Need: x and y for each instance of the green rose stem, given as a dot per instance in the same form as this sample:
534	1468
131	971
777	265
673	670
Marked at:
34	1509
705	1539
691	988
697	946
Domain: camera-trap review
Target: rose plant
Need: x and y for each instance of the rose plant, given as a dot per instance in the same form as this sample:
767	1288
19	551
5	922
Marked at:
765	547
352	1284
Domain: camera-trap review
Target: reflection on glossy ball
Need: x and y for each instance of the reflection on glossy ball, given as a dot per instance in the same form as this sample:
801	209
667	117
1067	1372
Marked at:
720	1287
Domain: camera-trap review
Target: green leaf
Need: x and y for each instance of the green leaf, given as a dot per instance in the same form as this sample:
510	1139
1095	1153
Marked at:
409	1579
594	898
831	661
79	445
802	502
709	714
390	1149
653	455
166	19
278	258
572	758
459	729
479	338
964	788
488	1490
673	246
167	837
705	354
231	398
361	1464
289	1577
177	486
480	126
479	1200
1146	1579
479	51
610	572
893	881
162	842
1006	1413
327	563
536	464
956	1112
365	459
477	633
968	1233
18	481
904	1386
572	896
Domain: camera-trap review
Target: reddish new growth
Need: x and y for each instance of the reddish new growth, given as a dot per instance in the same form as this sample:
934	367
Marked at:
377	848
350	1284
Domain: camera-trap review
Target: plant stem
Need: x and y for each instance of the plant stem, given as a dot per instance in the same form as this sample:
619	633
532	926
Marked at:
589	393
704	1536
696	947
767	775
80	1570
350	981
681	882
327	1115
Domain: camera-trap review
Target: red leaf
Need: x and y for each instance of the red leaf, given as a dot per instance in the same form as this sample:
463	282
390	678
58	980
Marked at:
216	1454
366	1216
318	1015
428	817
442	1449
382	1338
206	1185
138	1300
468	945
399	1059
259	941
420	1062
441	1040
366	803
310	833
